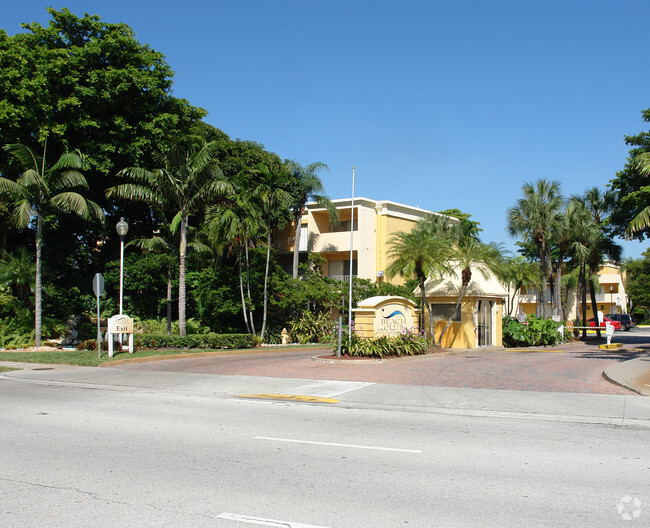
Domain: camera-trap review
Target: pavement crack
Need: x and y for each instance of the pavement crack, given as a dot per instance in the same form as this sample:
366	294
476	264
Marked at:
99	497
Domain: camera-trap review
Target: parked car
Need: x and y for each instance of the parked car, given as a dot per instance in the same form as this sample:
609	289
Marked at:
626	320
615	324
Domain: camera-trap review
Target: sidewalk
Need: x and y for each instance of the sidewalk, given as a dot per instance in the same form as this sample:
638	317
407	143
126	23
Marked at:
633	374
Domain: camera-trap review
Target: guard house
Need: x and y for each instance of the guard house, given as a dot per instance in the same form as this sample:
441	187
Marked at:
478	320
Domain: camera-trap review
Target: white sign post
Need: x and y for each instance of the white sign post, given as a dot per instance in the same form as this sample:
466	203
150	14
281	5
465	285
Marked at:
120	324
98	288
609	331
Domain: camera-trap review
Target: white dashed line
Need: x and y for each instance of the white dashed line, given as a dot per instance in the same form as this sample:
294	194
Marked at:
265	522
332	444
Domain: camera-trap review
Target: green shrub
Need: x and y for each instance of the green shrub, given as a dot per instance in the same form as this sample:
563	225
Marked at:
536	332
91	344
205	341
159	326
408	343
311	328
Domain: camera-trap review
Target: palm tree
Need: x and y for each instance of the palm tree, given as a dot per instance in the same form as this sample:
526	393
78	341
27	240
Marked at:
42	190
273	197
234	228
307	187
536	217
516	273
470	254
423	252
599	205
165	241
641	220
188	177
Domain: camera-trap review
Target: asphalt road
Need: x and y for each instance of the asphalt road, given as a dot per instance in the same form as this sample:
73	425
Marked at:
130	455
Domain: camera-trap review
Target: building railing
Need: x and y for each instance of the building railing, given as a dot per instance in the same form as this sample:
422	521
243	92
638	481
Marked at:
341	278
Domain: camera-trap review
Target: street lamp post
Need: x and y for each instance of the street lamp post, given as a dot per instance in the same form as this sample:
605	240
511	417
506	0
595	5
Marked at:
122	229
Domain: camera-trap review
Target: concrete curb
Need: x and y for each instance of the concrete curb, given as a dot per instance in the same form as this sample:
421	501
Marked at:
633	375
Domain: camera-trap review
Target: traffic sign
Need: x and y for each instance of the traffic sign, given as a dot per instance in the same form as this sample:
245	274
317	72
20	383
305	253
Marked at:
98	284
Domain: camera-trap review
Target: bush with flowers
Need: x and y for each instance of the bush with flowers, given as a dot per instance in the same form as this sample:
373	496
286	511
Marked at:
410	342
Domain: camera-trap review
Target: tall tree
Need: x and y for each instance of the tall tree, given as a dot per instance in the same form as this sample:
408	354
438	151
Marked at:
599	205
535	217
188	179
421	253
468	255
642	220
165	241
271	191
632	189
44	190
234	228
306	186
515	273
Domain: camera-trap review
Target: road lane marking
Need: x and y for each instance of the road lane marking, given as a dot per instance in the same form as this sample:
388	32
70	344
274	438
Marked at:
327	388
265	522
333	444
289	397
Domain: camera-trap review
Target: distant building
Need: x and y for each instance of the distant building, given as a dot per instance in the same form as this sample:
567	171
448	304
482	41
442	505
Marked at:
611	296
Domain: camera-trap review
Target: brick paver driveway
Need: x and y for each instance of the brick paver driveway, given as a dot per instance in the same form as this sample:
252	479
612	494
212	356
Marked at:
572	368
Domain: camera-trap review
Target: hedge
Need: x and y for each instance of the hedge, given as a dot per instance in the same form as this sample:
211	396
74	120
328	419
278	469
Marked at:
210	340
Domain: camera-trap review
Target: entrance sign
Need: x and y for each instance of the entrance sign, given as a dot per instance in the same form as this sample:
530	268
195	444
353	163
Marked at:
385	316
119	324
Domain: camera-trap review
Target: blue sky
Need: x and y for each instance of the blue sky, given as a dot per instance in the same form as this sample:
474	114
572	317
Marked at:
438	104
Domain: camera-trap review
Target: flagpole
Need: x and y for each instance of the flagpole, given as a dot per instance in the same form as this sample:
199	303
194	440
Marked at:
351	257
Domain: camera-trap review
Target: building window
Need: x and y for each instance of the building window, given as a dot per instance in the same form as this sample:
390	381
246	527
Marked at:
442	312
343	226
340	269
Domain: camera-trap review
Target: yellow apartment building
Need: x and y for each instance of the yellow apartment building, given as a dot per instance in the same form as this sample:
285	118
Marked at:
476	323
611	296
374	223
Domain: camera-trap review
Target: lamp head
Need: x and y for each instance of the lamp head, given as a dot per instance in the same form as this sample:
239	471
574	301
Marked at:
122	227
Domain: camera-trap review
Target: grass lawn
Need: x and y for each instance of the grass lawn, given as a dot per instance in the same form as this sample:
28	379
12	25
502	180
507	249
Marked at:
88	358
7	369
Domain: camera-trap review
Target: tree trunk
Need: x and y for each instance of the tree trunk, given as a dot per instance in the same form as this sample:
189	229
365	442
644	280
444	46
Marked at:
266	278
594	304
583	298
181	277
296	248
560	258
169	300
38	282
424	305
249	305
241	291
542	289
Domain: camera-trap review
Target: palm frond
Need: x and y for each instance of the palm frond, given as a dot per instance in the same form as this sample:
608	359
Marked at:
130	191
67	180
136	175
73	202
176	221
24	155
68	160
23	213
10	188
32	178
639	222
154	244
